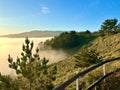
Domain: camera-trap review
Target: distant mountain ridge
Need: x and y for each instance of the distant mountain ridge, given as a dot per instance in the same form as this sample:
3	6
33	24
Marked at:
35	33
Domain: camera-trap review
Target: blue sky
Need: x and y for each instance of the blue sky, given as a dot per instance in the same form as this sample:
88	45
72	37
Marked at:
80	15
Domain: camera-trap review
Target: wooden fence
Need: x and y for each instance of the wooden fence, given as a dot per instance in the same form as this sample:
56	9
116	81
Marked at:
82	73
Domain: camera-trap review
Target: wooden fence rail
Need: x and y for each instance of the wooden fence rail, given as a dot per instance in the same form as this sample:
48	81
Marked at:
81	73
102	78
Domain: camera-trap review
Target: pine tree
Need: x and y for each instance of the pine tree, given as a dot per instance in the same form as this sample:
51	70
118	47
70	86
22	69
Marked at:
108	26
33	68
7	83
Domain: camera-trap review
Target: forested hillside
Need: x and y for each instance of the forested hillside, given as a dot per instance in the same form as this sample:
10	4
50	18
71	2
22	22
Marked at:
68	40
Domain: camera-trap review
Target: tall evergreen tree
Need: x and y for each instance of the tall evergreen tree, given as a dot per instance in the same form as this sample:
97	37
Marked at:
33	68
108	26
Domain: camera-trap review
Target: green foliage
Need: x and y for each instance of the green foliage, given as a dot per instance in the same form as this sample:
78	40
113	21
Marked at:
33	68
69	40
87	57
7	83
116	30
64	40
108	26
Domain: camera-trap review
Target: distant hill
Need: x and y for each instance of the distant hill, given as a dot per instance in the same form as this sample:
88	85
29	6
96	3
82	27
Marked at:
34	34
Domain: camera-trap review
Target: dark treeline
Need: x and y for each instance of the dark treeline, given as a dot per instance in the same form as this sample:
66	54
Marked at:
72	39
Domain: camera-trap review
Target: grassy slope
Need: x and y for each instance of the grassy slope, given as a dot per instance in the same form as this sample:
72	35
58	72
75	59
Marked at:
107	46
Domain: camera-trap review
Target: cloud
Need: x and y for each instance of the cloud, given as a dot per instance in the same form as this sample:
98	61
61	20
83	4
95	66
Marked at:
45	10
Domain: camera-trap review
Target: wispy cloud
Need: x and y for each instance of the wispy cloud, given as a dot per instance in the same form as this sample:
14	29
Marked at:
45	10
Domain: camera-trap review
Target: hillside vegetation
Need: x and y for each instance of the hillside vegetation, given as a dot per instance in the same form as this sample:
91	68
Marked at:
89	49
68	40
107	47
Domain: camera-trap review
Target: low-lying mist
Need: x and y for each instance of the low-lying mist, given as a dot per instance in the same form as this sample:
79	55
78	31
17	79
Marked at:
53	55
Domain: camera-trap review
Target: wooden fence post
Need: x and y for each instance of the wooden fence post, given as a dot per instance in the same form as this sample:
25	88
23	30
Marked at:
104	69
104	73
77	82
